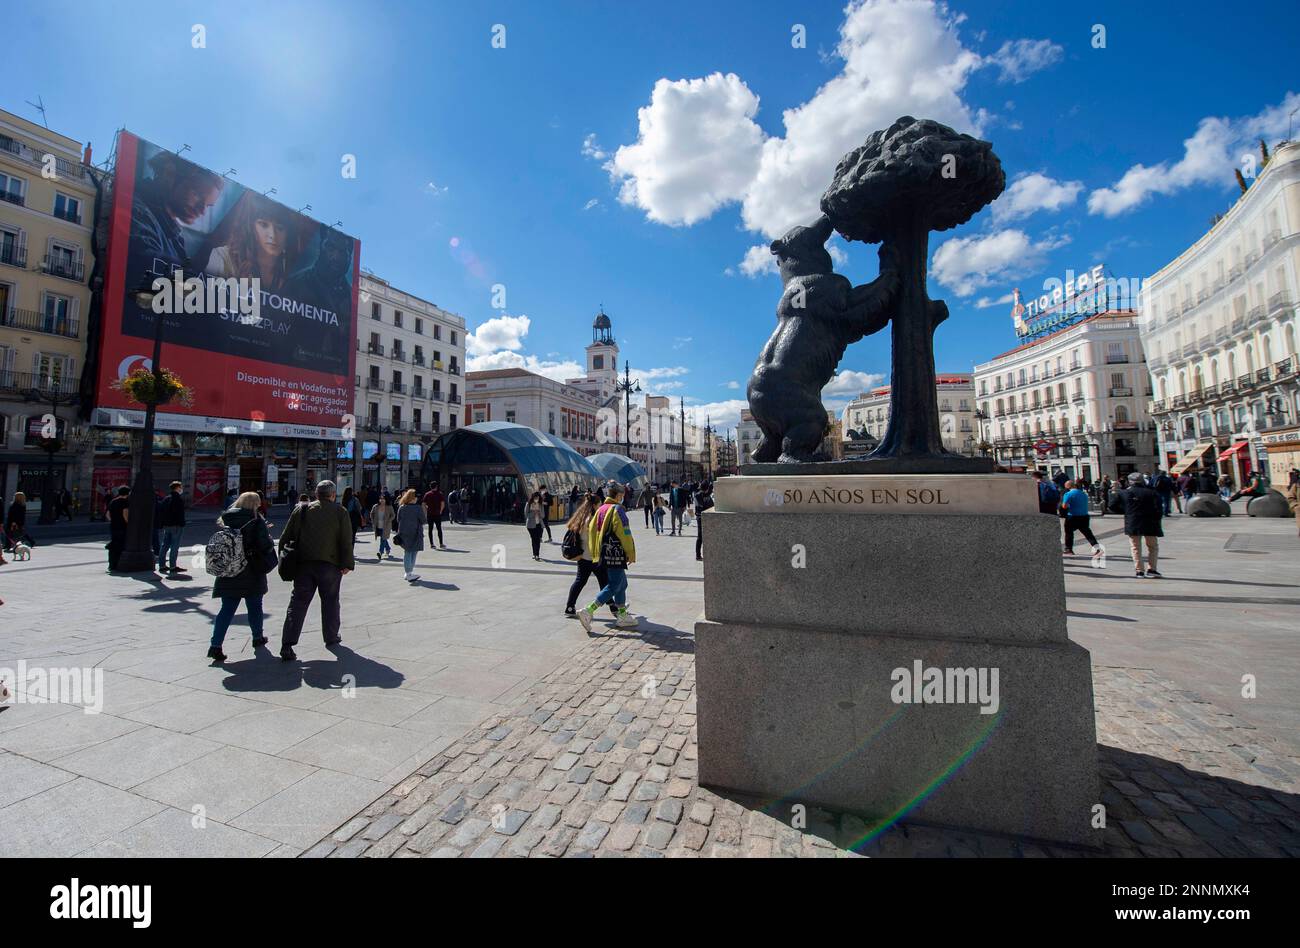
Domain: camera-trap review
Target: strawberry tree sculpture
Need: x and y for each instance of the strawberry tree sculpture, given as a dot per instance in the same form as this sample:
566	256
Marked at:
903	182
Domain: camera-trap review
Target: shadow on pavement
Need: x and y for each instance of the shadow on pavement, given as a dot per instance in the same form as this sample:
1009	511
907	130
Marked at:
266	673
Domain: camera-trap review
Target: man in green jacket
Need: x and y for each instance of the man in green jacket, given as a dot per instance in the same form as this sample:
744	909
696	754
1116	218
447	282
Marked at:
322	536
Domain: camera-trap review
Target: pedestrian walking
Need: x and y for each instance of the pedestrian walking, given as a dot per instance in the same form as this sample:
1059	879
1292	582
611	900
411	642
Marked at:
322	537
1074	508
1143	509
65	505
382	516
657	515
1166	488
410	532
703	501
575	499
16	521
577	527
677	502
609	538
249	584
352	506
648	505
534	515
435	508
1049	498
293	498
546	513
171	517
119	511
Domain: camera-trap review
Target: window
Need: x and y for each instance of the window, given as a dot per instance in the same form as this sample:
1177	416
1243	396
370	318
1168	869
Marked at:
419	326
397	416
55	311
598	362
419	355
53	368
375	311
12	189
374	373
397	318
68	208
550	422
479	416
510	415
1117	380
437	331
451	420
415	417
453	337
437	420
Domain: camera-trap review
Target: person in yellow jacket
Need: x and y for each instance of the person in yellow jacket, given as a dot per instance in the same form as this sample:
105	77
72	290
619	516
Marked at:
609	538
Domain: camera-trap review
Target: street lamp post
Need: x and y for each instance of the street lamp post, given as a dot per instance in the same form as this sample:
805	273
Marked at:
708	444
138	555
627	387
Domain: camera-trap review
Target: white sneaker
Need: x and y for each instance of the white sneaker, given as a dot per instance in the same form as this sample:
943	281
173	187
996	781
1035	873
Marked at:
406	576
584	616
412	577
626	621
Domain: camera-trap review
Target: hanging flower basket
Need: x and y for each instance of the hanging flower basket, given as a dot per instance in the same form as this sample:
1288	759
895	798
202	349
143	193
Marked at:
142	387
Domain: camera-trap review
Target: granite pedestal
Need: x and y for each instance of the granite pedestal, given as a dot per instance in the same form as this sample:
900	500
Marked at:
909	664
1208	505
1269	504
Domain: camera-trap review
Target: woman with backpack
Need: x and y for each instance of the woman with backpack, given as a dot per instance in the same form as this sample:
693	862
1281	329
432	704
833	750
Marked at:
609	538
382	517
534	513
575	549
410	531
249	583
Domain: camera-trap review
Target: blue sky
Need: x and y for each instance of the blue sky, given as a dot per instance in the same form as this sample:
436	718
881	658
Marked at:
632	156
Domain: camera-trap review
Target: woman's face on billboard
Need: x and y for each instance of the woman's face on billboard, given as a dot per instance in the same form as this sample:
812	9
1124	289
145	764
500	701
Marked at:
270	236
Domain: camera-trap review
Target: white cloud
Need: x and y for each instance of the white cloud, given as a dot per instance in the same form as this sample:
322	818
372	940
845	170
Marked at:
1209	156
985	302
758	259
838	256
696	150
849	383
699	147
499	332
591	148
680	341
1034	192
900	57
1017	60
723	415
733	384
559	371
590	204
967	264
433	190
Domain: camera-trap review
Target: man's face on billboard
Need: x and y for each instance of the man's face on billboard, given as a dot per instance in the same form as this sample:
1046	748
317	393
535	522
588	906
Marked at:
191	197
333	256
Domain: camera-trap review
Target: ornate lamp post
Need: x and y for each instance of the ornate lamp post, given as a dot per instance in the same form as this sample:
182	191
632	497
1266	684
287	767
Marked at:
138	555
627	387
708	444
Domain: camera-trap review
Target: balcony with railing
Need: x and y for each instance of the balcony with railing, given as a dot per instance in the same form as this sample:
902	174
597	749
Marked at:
1255	314
375	385
1206	343
1189	350
1238	325
62	167
375	348
1272	237
436	395
13	255
453	399
1202	295
1077	398
24	383
397	388
453	369
1245	382
1156	408
1263	376
399	354
1120	391
1227	388
62	267
1220	335
1112	359
70	214
419	391
1284	368
1251	257
418	360
30	320
1278	302
1178	401
1235	272
1188	306
13	198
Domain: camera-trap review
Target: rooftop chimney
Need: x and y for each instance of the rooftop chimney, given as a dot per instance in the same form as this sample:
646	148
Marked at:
85	155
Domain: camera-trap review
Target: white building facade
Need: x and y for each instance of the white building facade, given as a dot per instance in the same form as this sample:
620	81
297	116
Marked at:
1075	401
410	385
865	419
1220	331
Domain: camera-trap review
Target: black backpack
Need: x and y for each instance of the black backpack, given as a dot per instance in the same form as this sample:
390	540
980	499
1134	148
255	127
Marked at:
571	545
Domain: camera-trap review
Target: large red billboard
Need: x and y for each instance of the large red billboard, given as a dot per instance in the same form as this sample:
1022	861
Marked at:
258	302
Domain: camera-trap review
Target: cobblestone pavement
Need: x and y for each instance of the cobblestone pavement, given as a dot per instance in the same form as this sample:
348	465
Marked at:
600	760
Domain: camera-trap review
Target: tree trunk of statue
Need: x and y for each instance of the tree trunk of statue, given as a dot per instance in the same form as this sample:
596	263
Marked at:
913	403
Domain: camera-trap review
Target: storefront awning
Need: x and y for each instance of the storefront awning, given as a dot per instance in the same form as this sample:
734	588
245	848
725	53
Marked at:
1237	448
1190	458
